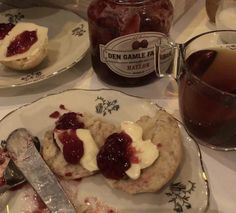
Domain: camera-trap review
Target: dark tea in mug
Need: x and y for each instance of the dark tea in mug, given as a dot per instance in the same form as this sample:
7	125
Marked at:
207	95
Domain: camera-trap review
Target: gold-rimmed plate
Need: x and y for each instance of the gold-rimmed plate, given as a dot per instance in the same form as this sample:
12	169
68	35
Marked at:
68	43
187	192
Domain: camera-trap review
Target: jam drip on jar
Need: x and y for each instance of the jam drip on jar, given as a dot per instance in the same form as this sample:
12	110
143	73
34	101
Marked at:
22	43
5	29
113	159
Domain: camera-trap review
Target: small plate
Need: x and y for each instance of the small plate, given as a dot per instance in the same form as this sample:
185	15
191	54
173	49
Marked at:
68	43
187	192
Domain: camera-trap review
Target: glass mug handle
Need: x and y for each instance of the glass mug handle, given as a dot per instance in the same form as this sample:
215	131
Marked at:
167	60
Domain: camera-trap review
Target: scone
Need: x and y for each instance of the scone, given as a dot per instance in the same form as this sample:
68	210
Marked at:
53	154
24	46
163	131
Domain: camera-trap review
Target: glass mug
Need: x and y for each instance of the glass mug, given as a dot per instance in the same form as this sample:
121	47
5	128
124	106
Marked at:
206	76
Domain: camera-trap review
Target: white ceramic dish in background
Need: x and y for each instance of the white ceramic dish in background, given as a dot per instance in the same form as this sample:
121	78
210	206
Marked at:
68	43
225	15
187	192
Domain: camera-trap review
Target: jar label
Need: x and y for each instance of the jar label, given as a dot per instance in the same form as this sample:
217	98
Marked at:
132	55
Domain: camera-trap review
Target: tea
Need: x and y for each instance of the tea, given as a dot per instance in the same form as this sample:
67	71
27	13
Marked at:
207	95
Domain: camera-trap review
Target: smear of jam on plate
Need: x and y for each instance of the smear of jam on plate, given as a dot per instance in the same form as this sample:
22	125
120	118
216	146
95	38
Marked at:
2	181
55	115
41	207
94	205
62	107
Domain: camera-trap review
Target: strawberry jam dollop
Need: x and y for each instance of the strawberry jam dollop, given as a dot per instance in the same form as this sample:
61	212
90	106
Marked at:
69	120
68	136
73	151
22	43
5	28
113	159
66	125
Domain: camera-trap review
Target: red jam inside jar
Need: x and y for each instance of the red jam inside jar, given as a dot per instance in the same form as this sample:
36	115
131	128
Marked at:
122	54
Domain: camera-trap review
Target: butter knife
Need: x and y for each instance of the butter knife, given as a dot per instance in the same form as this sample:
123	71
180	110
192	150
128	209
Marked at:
28	160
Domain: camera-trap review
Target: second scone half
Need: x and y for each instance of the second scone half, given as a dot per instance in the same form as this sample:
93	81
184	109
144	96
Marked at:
164	132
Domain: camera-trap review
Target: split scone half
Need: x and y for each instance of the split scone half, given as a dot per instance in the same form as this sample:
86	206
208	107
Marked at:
53	155
164	132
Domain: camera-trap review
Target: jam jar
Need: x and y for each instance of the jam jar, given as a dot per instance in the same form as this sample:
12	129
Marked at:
122	36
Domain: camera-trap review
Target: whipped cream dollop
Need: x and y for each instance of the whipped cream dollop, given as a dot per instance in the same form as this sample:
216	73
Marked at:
88	159
145	151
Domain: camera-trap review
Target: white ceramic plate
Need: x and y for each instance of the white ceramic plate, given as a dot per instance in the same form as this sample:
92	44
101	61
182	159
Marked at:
188	191
68	43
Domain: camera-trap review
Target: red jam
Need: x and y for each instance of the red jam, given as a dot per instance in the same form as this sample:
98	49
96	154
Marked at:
55	114
114	26
73	151
68	174
2	181
5	29
62	107
113	158
131	151
2	159
22	43
69	136
41	207
73	148
69	120
96	206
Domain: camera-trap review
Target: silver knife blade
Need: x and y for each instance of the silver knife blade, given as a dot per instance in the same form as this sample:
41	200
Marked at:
28	160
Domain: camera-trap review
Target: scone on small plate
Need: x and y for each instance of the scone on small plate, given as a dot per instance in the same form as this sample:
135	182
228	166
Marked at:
23	46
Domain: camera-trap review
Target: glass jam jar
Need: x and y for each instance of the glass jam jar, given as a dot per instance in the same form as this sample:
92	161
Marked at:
122	36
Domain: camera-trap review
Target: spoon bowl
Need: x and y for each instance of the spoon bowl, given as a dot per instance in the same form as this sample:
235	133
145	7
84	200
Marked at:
12	176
